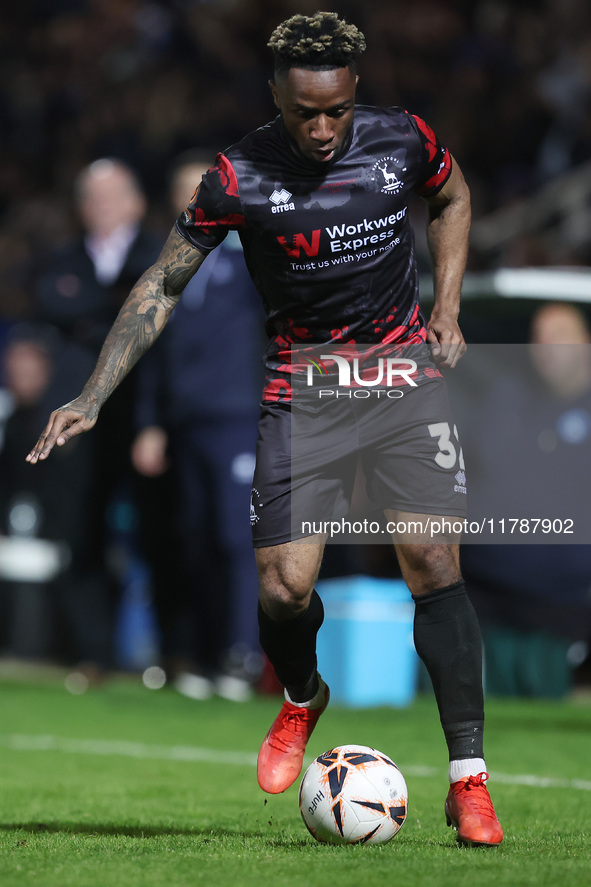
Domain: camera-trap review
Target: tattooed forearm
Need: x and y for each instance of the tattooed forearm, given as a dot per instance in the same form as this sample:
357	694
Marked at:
143	316
180	263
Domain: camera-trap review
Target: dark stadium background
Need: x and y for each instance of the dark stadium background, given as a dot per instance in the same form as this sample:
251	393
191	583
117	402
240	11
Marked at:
507	85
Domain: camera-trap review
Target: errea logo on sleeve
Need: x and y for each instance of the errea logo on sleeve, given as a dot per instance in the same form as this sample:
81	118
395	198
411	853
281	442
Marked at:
280	199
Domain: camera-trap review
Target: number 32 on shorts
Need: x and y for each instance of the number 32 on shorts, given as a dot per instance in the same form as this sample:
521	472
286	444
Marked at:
449	452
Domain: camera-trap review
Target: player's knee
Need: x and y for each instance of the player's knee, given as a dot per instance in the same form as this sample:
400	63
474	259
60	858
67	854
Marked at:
282	594
431	566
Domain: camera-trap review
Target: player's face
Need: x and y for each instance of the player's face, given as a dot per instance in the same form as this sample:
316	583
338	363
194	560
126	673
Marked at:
317	109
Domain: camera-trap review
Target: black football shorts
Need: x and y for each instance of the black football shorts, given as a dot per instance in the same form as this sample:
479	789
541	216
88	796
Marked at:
310	457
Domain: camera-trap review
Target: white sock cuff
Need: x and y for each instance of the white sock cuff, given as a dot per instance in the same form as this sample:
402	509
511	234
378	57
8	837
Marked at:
316	702
466	767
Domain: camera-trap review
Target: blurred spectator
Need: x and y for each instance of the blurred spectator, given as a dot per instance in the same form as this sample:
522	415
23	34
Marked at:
534	601
53	606
198	408
78	291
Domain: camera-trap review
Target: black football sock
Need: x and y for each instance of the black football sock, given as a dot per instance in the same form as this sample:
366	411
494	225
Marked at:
447	638
291	649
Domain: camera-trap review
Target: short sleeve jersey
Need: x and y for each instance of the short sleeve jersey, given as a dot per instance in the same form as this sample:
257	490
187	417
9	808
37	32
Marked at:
329	247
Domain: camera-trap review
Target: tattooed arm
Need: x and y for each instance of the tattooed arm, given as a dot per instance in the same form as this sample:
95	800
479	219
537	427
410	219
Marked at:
139	323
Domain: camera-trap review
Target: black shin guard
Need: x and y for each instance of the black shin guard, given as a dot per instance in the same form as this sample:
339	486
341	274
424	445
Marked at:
447	638
291	649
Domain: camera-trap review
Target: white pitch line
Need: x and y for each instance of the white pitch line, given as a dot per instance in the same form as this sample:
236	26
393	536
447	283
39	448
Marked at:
195	754
583	785
142	750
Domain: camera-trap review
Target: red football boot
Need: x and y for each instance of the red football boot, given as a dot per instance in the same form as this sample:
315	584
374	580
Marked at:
282	752
469	809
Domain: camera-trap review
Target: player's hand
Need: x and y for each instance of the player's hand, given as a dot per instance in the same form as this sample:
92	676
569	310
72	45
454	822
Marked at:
64	423
446	341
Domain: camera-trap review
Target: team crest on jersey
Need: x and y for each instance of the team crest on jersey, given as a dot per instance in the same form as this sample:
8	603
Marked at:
384	173
281	201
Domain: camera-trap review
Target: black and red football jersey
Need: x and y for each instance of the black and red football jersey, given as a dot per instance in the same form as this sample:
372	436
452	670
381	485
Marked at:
329	246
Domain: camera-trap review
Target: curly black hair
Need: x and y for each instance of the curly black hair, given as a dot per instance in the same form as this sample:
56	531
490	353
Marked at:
317	42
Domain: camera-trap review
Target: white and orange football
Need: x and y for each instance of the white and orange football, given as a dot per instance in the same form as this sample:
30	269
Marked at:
353	794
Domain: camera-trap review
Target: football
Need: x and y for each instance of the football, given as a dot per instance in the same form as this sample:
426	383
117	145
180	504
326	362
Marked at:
353	794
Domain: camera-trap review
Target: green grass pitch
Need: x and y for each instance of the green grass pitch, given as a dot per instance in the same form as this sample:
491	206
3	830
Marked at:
126	786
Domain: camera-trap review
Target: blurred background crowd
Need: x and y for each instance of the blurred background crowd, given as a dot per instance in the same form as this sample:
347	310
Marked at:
507	84
103	104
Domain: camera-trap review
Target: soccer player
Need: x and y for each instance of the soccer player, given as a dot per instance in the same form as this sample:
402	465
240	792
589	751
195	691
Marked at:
324	181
